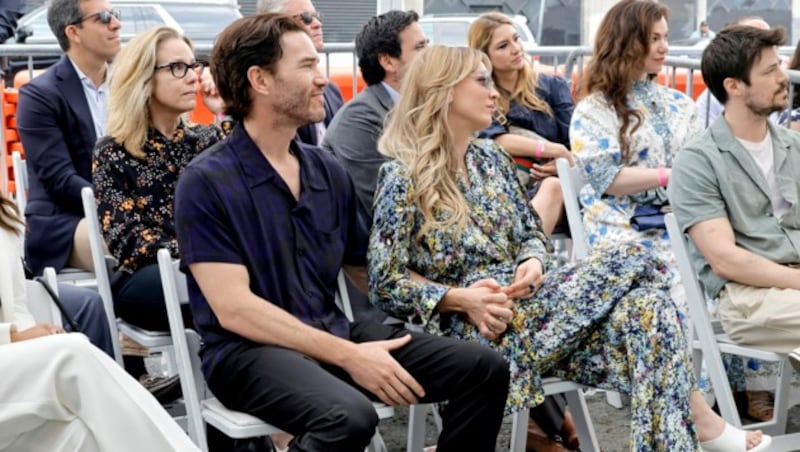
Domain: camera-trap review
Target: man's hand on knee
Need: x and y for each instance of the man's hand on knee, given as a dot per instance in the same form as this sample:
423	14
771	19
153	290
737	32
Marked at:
373	368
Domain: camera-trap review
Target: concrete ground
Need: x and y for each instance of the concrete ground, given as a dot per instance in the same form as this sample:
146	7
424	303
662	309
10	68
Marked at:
611	426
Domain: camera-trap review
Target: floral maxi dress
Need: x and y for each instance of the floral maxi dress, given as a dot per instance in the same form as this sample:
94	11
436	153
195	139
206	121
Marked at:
606	322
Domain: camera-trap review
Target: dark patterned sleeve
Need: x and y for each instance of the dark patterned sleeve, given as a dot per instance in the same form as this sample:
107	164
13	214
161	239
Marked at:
527	230
390	284
132	236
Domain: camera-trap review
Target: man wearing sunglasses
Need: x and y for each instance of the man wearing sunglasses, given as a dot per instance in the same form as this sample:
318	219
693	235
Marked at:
304	11
60	116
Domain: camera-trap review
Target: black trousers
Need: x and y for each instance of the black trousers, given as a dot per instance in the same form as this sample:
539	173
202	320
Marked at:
327	411
139	299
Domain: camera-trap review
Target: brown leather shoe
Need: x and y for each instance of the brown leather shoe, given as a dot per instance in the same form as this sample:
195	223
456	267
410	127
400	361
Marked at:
537	442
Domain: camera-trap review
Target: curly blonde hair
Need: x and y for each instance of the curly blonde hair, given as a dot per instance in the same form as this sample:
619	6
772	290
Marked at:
131	86
418	133
480	37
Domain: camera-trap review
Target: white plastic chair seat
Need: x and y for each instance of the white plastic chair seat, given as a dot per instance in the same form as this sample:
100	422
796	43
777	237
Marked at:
146	338
234	423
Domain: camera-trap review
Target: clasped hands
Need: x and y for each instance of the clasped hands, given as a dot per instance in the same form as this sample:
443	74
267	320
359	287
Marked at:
491	305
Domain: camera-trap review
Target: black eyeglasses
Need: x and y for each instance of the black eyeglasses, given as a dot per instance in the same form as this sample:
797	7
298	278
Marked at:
307	17
179	69
104	17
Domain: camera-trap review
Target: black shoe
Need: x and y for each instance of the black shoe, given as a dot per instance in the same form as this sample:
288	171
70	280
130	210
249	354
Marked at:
164	389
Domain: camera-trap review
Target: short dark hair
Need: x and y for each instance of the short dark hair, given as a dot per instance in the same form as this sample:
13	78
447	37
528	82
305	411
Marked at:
60	14
381	35
247	42
732	53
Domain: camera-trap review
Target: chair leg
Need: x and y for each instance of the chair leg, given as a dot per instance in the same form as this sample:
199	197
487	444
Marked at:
377	443
519	431
583	423
416	427
782	393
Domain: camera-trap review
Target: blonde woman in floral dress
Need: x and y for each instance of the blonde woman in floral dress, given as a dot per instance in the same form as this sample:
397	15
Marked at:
450	209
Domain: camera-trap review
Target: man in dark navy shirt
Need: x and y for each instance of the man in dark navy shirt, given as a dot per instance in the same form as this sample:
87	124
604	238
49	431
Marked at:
264	226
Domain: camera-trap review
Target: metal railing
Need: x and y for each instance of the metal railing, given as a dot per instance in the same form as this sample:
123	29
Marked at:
564	61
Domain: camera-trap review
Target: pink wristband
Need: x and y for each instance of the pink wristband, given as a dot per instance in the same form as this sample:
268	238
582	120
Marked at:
662	176
539	148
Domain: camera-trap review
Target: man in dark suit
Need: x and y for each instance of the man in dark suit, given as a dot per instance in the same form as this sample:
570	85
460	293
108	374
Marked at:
304	11
60	116
385	46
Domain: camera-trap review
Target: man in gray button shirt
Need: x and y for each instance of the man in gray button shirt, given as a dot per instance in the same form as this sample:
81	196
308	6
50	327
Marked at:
736	192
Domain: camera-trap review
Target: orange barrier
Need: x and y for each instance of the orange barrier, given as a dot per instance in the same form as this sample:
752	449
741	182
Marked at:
10	134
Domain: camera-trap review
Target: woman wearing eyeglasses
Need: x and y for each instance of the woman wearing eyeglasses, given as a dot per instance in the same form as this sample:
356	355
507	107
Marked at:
150	140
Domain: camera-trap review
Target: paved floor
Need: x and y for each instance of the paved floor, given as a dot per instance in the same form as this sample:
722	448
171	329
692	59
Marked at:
611	426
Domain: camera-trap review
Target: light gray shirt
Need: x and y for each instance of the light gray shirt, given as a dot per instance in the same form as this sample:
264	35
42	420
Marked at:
714	176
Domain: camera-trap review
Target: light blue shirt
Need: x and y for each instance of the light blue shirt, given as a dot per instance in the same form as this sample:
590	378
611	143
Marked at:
392	92
97	98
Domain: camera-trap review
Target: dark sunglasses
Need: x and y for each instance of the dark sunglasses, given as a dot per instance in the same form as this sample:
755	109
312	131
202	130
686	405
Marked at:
104	17
179	69
307	17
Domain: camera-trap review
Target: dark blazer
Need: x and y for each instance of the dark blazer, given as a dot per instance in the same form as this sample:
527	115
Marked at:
333	102
353	139
353	136
57	132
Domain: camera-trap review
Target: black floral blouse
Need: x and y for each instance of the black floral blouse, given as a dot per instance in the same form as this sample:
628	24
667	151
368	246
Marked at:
135	196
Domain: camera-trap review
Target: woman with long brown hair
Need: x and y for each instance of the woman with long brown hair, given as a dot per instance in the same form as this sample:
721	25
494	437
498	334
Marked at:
532	116
627	129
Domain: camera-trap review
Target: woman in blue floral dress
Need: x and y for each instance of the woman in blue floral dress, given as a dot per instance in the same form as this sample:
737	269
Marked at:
450	210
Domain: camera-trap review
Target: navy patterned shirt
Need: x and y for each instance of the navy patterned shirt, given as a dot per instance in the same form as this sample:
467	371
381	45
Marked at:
231	206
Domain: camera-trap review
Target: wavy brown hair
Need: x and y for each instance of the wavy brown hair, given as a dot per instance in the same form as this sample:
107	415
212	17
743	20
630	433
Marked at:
9	215
621	47
480	37
418	133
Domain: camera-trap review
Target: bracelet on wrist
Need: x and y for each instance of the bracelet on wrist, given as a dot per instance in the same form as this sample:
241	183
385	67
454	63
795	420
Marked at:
537	153
662	176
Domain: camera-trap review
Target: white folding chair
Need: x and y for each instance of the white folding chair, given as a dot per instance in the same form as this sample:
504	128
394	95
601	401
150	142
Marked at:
41	306
67	274
20	181
149	339
201	406
572	181
709	342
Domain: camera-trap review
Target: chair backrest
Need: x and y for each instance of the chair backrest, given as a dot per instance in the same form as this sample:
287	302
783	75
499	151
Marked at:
192	382
100	267
572	180
20	181
41	306
698	311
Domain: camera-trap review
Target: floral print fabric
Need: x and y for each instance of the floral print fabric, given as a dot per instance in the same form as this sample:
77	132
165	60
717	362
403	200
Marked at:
135	196
669	121
606	321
